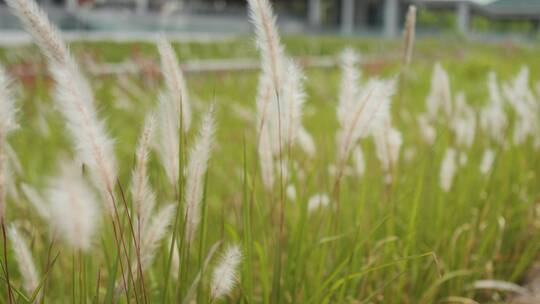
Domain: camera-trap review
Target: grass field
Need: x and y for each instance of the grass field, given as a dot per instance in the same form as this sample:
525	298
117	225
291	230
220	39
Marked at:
408	241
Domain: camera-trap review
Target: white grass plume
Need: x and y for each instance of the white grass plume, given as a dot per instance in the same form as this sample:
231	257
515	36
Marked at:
440	95
74	209
350	77
8	109
388	142
225	274
493	119
154	233
408	36
359	161
363	115
196	170
143	197
169	142
46	35
25	261
74	99
176	83
8	123
268	41
306	142
524	103
266	159
448	169
488	158
293	100
318	201
463	122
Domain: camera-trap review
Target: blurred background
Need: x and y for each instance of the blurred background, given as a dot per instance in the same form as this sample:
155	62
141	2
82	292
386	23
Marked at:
477	18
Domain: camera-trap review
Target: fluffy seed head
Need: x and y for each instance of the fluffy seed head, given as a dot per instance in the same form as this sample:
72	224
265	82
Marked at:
7	124
197	165
364	115
440	95
225	275
268	42
317	201
143	196
448	169
74	98
24	259
8	108
154	233
169	142
73	208
408	36
487	161
176	83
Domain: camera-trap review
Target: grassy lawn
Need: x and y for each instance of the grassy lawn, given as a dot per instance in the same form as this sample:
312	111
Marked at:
407	242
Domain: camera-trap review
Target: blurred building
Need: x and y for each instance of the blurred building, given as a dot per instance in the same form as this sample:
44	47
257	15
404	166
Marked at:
346	16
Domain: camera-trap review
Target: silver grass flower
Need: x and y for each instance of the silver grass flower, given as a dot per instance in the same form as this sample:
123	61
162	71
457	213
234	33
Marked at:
8	123
363	115
74	209
169	142
268	42
175	81
440	96
25	261
448	169
74	98
196	170
143	197
225	274
408	36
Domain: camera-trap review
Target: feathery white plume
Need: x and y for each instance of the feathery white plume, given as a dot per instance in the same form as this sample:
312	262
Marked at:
359	162
292	104
176	83
291	192
525	106
306	142
143	196
45	34
266	159
268	42
24	259
493	118
7	125
169	141
74	98
364	114
387	145
73	208
408	36
318	201
196	169
8	108
487	161
225	275
448	169
440	95
350	77
463	122
154	233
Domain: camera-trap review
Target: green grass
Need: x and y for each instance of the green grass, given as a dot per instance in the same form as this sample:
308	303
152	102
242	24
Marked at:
411	243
